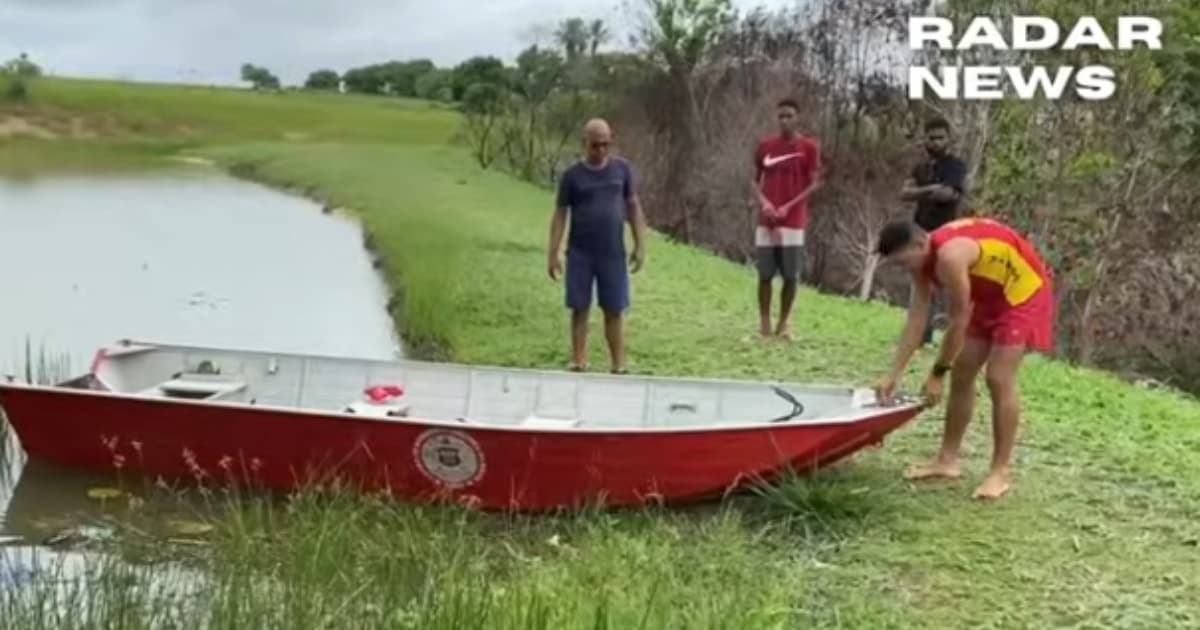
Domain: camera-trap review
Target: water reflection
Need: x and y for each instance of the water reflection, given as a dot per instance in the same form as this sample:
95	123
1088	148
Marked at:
190	257
54	534
187	257
46	500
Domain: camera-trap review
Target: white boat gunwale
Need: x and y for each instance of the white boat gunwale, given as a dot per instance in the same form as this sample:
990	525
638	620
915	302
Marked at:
145	346
867	409
866	412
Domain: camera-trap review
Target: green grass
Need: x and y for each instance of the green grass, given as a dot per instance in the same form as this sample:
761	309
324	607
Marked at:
26	158
370	563
1102	466
1100	530
202	114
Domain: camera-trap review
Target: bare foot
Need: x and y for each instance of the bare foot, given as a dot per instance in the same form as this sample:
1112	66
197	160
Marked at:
784	333
996	484
934	470
764	329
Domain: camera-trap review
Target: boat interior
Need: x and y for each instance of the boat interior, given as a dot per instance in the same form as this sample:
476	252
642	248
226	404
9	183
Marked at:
449	392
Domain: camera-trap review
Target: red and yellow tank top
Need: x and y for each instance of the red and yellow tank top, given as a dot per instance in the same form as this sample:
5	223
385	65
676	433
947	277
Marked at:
1009	270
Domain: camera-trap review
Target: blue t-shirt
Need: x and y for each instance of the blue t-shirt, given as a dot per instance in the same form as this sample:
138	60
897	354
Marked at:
597	200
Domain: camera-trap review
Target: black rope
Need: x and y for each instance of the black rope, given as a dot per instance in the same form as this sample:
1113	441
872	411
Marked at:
797	408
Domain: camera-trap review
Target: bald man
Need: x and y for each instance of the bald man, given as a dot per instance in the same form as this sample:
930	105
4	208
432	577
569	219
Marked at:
598	194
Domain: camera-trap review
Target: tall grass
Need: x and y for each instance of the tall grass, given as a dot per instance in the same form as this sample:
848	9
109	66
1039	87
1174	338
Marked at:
9	462
43	589
42	367
333	559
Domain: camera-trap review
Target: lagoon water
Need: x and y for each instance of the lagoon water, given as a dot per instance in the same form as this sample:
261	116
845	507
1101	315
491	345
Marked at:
192	257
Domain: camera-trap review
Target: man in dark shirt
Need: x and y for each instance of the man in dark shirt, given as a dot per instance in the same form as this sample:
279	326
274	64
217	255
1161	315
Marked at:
599	196
937	186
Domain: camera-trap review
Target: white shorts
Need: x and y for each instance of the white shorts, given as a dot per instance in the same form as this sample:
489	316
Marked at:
778	236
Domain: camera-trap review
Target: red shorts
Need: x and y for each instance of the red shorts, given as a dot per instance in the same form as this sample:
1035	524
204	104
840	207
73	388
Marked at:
1031	324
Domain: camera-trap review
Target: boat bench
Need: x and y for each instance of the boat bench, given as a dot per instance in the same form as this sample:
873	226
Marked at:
197	387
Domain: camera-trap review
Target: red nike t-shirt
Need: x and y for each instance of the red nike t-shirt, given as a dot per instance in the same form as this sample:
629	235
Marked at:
787	166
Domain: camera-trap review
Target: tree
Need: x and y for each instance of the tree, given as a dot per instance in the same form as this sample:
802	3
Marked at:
483	69
598	35
436	85
17	74
23	67
260	78
539	74
573	36
482	104
401	77
365	80
392	78
323	80
677	34
1180	65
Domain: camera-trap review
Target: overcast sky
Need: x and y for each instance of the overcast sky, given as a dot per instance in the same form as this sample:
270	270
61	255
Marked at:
208	40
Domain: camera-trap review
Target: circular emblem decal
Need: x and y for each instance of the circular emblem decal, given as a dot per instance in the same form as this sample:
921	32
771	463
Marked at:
449	457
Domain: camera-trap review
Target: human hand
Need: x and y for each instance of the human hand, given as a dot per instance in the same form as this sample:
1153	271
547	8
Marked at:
932	390
637	259
886	389
554	266
768	210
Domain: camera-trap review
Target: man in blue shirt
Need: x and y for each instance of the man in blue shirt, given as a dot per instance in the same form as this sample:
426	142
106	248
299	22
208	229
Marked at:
599	196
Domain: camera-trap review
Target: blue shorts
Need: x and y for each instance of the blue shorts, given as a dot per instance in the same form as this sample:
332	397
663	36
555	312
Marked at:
608	274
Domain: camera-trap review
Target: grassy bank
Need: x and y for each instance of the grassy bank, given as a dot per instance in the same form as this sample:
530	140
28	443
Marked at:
468	247
29	158
79	125
1100	530
79	109
369	563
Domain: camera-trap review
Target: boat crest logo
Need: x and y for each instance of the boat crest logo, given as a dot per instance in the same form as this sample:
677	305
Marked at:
449	457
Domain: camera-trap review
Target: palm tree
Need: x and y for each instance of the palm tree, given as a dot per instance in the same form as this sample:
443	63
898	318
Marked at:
598	34
572	35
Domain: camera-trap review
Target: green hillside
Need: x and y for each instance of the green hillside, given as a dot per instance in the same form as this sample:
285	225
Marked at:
89	109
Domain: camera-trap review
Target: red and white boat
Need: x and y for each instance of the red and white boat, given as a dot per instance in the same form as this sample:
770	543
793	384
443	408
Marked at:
497	438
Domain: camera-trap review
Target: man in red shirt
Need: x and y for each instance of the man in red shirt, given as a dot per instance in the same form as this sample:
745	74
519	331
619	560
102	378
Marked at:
786	168
1001	300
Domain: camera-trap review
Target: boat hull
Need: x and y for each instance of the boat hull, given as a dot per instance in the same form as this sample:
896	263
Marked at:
487	467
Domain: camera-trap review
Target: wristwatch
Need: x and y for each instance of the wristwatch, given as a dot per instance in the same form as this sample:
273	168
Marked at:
940	369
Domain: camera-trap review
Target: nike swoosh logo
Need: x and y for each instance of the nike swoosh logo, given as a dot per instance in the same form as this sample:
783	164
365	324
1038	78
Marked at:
773	160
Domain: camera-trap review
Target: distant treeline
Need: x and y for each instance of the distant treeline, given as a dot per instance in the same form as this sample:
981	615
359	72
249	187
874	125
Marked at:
574	39
523	117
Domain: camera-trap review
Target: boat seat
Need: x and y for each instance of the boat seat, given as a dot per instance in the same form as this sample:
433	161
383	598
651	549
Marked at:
198	387
538	422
